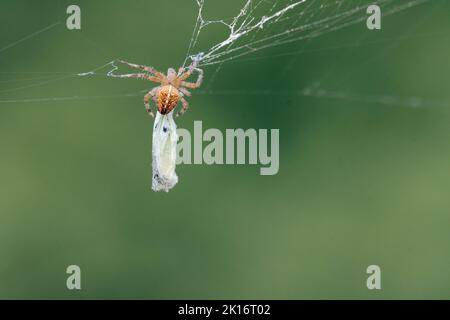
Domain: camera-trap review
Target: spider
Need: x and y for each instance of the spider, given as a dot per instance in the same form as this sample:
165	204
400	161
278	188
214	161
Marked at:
172	88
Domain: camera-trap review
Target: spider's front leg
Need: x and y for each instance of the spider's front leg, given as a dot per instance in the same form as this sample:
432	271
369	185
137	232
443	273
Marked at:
143	68
131	75
191	85
141	76
150	95
187	74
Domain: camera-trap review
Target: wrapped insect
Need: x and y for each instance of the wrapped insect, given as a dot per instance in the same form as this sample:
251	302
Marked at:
164	153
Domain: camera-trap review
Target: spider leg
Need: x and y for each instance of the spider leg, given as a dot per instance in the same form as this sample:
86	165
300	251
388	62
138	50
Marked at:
188	73
191	85
184	107
181	71
151	94
143	68
185	92
142	76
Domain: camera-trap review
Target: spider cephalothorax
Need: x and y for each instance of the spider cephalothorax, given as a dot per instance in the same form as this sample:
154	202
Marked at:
172	88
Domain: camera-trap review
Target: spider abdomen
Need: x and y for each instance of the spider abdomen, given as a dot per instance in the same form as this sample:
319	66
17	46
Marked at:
168	98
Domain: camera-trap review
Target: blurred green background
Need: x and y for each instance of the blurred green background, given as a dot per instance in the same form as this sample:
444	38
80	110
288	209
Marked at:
364	161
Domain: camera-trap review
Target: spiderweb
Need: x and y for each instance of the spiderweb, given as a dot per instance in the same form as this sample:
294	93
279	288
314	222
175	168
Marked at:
261	24
256	25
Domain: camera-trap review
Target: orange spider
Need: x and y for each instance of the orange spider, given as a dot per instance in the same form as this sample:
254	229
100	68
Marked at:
173	86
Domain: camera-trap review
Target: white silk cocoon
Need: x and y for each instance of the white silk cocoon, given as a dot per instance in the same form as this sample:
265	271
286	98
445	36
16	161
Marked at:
164	153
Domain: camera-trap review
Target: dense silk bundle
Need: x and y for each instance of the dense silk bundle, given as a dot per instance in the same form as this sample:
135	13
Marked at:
164	153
